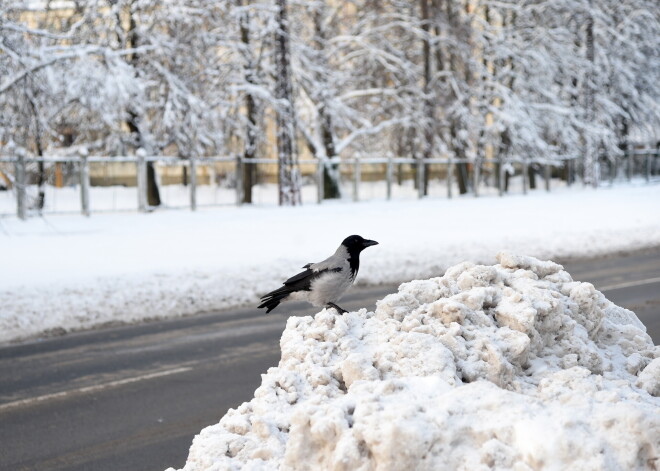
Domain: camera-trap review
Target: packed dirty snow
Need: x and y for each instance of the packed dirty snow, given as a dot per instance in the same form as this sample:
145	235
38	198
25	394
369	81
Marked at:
511	366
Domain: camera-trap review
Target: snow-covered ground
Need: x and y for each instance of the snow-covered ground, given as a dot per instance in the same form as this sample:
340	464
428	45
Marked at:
67	272
512	366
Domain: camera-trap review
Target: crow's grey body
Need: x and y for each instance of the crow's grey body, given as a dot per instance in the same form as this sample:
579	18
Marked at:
322	283
328	280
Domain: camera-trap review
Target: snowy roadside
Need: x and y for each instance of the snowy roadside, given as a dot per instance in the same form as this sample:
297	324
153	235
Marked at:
66	273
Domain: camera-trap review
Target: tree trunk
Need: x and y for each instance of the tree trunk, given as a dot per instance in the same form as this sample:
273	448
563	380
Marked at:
531	174
503	150
400	152
458	149
439	54
589	161
250	151
41	179
331	189
289	173
461	167
462	176
330	172
429	115
624	139
153	194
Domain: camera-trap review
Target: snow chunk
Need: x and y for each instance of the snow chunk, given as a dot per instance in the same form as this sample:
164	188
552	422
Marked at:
511	366
540	268
649	379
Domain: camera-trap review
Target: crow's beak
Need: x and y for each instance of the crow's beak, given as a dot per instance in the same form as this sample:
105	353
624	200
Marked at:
369	243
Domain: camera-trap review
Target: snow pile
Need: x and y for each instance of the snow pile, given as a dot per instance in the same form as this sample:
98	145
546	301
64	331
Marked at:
511	366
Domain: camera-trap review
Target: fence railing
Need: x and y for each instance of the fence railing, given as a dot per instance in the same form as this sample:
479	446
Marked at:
477	176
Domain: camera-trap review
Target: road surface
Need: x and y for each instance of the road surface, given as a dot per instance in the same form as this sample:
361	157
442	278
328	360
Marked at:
133	397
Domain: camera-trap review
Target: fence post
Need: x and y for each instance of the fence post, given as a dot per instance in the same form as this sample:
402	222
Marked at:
193	183
356	179
500	177
546	175
475	176
450	177
21	184
84	183
525	175
648	166
141	179
239	180
389	175
320	188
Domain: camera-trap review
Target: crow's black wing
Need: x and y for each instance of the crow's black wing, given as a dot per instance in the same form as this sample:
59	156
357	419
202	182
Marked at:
300	282
304	278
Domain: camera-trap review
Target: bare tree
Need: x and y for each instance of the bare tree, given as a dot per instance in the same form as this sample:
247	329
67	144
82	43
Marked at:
353	78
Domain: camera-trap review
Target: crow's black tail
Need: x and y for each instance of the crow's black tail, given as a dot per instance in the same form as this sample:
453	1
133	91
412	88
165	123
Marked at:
271	300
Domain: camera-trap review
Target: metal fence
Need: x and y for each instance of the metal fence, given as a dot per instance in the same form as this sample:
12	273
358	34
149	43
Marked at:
18	174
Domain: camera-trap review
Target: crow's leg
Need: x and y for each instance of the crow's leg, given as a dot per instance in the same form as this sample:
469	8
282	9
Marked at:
334	306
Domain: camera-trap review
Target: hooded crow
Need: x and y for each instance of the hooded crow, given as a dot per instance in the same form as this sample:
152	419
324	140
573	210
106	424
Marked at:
322	284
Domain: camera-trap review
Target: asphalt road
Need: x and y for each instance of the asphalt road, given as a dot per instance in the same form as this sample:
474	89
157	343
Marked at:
133	397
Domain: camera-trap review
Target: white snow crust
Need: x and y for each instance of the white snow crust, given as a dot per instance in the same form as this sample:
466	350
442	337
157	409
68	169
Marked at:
513	366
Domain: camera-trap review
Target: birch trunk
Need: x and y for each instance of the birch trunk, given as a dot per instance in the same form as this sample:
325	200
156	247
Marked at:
289	173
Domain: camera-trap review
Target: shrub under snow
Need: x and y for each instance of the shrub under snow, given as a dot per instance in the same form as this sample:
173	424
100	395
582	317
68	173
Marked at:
511	366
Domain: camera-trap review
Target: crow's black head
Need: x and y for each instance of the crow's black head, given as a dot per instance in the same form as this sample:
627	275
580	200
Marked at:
356	244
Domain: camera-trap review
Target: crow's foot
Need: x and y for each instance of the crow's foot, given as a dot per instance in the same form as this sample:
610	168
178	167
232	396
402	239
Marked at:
337	308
